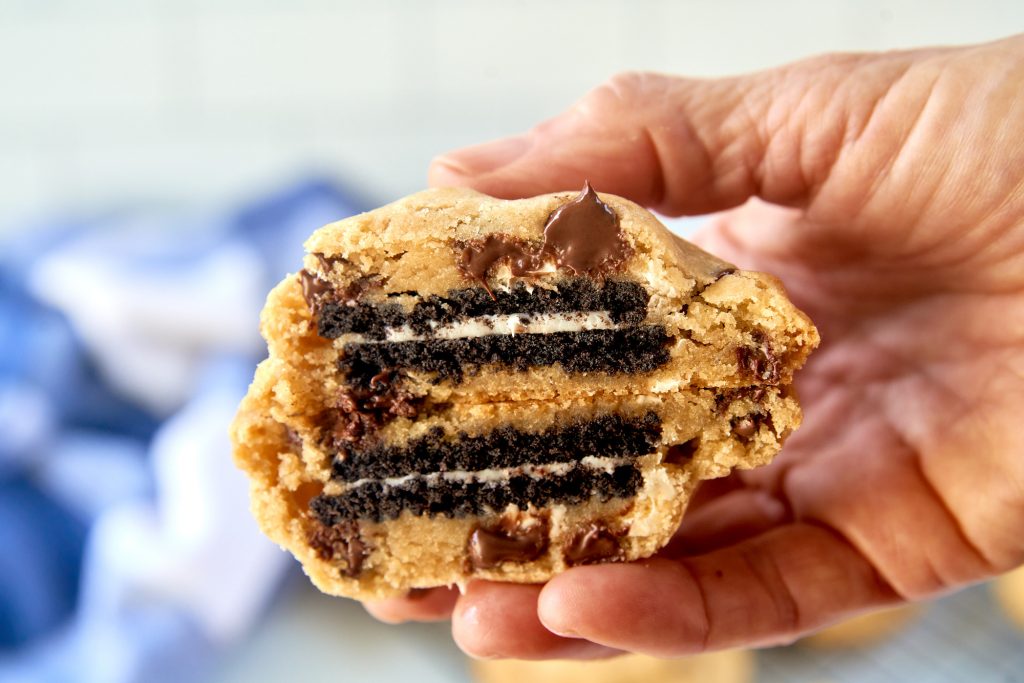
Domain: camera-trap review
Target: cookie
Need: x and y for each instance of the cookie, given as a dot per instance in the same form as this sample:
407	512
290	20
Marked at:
460	386
733	666
1008	590
864	629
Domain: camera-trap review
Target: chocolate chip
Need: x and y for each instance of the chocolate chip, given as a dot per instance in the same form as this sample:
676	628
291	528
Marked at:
340	541
583	235
489	547
314	289
361	410
682	453
592	543
744	427
354	290
327	262
759	362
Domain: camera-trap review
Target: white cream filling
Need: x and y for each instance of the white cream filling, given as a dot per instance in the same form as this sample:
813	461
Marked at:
487	325
499	475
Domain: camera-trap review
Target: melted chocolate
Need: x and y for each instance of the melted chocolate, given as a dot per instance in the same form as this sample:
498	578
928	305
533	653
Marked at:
583	235
327	262
313	289
489	547
341	541
744	427
759	362
480	256
593	543
363	410
351	293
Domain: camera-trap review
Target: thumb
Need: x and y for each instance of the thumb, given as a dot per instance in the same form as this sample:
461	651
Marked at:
690	146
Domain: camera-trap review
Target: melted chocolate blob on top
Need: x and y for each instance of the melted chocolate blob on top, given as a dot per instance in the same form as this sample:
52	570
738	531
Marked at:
583	235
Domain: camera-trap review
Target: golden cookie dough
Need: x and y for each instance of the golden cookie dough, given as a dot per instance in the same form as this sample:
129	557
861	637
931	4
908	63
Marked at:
460	386
733	666
1008	590
865	629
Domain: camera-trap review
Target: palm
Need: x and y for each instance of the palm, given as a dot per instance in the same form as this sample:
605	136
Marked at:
911	404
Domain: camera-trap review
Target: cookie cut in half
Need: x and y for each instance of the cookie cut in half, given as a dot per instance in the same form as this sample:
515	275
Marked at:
460	386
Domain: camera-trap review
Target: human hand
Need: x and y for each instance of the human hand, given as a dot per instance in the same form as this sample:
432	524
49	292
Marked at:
887	192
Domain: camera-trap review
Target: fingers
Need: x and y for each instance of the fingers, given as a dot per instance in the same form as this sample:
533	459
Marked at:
725	521
642	136
686	145
500	620
432	604
764	591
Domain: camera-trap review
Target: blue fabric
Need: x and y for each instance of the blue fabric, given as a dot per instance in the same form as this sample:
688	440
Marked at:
40	563
119	508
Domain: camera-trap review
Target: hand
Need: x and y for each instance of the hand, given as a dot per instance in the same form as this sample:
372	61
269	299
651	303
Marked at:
887	192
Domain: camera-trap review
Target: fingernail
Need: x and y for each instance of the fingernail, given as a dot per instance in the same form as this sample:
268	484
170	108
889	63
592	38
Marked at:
484	158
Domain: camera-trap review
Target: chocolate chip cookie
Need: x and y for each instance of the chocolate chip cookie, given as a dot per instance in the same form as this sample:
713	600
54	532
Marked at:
460	386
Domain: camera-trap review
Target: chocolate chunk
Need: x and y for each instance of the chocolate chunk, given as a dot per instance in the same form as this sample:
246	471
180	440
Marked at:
744	427
327	262
340	541
355	289
759	362
313	289
481	255
489	547
362	410
682	453
593	543
727	396
583	236
320	294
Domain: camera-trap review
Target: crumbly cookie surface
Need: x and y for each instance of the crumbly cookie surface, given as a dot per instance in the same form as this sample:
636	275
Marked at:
459	386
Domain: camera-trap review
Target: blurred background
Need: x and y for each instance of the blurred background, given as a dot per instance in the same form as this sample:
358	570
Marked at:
161	162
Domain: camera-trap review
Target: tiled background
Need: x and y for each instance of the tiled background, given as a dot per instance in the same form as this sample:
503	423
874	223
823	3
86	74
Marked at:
126	102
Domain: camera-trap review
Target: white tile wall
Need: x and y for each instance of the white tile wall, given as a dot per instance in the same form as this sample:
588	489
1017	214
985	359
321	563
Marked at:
190	101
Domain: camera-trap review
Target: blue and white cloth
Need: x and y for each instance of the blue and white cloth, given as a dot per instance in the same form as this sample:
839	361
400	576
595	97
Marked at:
127	552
